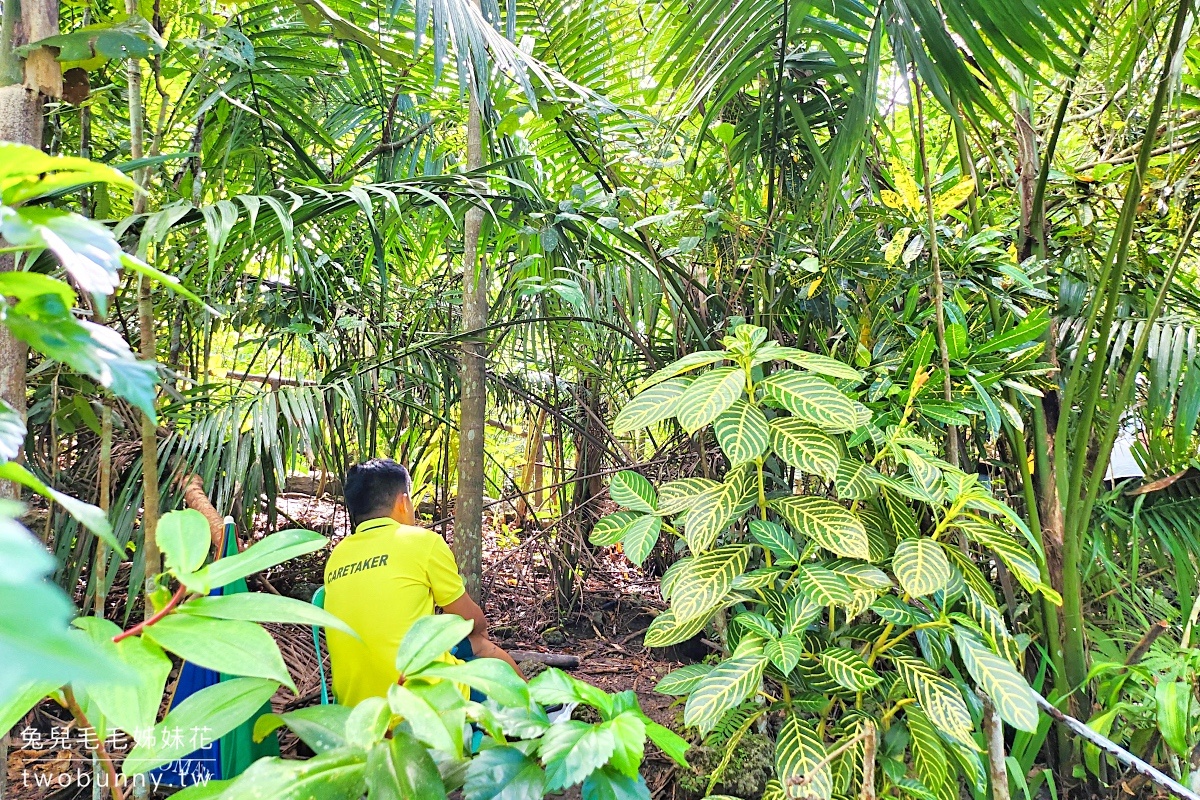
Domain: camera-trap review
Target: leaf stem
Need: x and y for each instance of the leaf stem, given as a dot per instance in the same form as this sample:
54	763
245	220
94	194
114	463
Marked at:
148	621
101	751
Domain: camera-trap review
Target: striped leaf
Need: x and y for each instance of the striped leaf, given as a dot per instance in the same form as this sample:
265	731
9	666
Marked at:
630	490
855	480
859	574
900	517
938	698
710	394
921	567
772	536
800	755
681	681
823	586
848	668
812	399
828	524
689	362
800	612
665	630
991	622
967	571
1006	547
680	495
773	790
707	579
758	578
894	610
713	511
671	577
720	690
924	471
742	432
640	538
929	758
879	541
804	446
815	362
1000	681
756	623
611	529
651	406
784	653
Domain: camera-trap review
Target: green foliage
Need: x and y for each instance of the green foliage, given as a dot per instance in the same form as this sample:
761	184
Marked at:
835	604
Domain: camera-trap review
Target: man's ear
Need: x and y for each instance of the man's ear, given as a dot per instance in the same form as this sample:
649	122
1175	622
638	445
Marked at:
403	511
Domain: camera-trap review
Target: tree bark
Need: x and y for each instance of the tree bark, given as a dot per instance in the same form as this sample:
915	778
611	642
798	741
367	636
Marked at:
468	506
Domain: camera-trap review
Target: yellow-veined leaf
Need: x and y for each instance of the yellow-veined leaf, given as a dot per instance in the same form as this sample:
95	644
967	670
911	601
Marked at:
830	525
611	529
630	490
938	698
640	537
772	536
812	399
1006	687
742	432
855	480
813	362
823	586
689	362
683	680
784	652
651	406
729	684
800	756
804	446
921	567
713	511
848	668
707	579
929	757
677	496
710	394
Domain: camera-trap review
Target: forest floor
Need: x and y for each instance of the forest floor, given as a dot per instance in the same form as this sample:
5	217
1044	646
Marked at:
50	759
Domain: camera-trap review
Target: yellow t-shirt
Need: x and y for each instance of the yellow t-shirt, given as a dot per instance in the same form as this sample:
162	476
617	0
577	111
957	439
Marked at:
379	581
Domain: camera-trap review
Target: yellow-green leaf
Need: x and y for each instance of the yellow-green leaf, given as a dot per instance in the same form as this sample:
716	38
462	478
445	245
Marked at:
640	538
665	630
805	446
720	690
848	668
938	698
800	756
630	490
814	362
710	394
680	495
855	480
812	399
823	586
929	758
689	362
772	536
707	579
953	197
891	253
611	529
651	406
921	567
1000	681
742	432
713	511
831	526
784	652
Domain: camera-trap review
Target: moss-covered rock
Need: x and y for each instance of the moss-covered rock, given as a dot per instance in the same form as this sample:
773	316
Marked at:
750	767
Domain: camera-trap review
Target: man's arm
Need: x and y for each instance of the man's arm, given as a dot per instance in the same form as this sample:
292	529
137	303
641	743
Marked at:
467	608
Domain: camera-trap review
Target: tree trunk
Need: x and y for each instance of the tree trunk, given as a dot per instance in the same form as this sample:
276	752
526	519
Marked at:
468	506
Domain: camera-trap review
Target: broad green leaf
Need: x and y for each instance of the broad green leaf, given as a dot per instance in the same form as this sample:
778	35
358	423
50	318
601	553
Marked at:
630	490
1001	682
1027	330
707	579
805	447
848	668
855	480
608	784
756	623
671	577
800	755
640	538
681	495
629	736
555	686
184	538
272	550
894	610
665	630
772	536
572	750
784	652
322	728
672	745
811	399
368	722
493	677
88	515
422	718
938	698
860	575
504	773
338	773
258	607
215	710
429	638
815	362
823	586
825	522
16	704
742	432
689	362
710	394
713	511
129	705
232	646
1172	709
683	680
921	567
651	406
611	529
400	769
729	684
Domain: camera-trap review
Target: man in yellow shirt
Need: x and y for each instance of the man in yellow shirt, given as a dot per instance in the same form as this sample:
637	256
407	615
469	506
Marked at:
385	577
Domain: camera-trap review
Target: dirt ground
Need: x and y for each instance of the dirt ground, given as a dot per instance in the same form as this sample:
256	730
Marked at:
603	629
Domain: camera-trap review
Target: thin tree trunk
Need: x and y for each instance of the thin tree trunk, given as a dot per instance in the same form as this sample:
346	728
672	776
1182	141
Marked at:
994	731
468	506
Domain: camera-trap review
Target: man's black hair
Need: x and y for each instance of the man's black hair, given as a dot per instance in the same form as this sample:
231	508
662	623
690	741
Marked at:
372	488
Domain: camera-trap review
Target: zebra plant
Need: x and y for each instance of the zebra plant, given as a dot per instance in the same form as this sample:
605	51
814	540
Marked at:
842	564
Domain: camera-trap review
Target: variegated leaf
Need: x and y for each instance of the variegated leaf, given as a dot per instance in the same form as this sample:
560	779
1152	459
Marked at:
859	574
680	495
823	586
1019	562
804	446
707	579
855	480
640	538
927	475
710	394
991	622
900	517
742	432
681	681
756	623
1000	680
828	524
967	570
800	762
938	698
729	684
630	490
772	536
815	362
921	567
811	399
801	610
879	541
671	577
611	529
929	758
784	653
848	668
689	362
713	511
665	630
894	610
651	406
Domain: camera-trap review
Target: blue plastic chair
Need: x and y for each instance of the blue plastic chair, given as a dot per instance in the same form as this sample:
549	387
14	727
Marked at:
318	600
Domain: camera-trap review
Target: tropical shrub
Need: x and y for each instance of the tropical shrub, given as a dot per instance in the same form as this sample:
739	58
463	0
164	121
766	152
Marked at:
841	563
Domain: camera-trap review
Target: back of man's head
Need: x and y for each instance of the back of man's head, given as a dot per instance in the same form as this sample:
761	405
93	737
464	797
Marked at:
373	487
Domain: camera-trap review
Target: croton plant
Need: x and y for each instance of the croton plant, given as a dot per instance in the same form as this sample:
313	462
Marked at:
841	564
